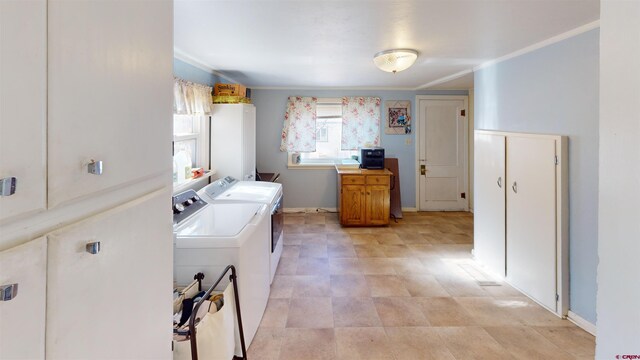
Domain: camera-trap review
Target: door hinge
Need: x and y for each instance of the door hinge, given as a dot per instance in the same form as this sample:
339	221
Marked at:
556	159
557	297
463	112
463	195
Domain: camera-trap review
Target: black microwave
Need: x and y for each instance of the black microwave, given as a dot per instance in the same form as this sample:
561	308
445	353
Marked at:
372	158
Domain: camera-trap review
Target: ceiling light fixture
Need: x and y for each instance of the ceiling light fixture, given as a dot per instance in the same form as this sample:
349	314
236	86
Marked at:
395	60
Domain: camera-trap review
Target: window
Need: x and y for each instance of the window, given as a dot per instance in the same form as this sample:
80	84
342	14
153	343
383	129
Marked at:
189	135
328	137
191	108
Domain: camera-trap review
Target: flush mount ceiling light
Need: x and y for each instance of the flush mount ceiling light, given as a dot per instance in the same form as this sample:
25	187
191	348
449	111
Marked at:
395	60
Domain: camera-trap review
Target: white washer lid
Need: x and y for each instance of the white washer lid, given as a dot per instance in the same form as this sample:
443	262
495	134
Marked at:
255	191
219	220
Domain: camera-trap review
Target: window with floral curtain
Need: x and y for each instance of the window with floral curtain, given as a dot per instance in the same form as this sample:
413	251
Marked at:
299	128
192	107
360	122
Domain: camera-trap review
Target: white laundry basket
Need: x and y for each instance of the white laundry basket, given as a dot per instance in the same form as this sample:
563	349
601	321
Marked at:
217	335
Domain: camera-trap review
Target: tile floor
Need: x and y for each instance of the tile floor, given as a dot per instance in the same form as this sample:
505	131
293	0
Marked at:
407	291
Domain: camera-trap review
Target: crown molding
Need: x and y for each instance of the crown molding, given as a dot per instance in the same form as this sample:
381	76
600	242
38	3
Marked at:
182	56
445	79
550	41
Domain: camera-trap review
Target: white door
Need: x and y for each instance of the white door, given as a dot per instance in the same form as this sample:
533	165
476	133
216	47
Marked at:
442	155
110	94
531	217
23	105
22	318
489	205
113	304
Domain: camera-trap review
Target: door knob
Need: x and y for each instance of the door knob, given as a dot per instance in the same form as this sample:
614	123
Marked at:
500	182
515	187
423	170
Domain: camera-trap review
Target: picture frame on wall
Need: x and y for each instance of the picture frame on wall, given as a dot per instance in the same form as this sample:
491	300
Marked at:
398	117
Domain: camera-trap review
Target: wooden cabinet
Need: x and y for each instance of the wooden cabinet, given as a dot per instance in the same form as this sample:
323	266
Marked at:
109	304
110	95
22	315
521	212
363	197
23	105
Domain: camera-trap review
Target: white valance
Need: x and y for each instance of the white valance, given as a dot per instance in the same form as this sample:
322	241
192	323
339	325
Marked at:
191	98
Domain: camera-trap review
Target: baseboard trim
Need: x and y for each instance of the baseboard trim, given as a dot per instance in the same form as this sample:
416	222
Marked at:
581	322
410	209
310	210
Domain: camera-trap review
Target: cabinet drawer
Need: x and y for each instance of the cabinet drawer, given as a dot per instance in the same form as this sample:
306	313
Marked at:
378	180
352	179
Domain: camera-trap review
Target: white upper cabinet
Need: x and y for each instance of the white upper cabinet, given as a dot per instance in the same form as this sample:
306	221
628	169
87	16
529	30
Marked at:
112	300
110	95
23	105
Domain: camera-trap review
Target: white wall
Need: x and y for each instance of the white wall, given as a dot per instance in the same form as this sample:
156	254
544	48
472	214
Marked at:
554	90
618	307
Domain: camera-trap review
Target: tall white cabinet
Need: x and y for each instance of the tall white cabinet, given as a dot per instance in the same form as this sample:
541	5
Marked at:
233	140
521	212
85	162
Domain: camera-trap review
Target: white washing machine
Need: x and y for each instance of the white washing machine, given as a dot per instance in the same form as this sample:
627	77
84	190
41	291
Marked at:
208	237
231	190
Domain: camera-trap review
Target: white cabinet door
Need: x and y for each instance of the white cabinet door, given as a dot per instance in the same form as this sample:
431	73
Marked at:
115	304
531	217
110	94
22	318
489	212
233	140
249	142
23	104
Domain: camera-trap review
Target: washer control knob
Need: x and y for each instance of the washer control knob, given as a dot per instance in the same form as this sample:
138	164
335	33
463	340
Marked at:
188	202
178	208
195	198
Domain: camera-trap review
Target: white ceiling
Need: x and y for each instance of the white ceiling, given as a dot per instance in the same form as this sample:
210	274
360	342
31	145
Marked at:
310	44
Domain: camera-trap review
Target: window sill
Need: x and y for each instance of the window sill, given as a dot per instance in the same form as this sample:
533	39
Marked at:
178	188
323	165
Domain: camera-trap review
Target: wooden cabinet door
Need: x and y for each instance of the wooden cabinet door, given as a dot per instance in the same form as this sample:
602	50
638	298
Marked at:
489	203
377	205
353	205
531	217
114	304
110	88
23	104
22	319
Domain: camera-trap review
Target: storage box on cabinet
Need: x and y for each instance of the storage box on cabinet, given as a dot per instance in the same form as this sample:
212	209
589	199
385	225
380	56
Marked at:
108	303
22	314
521	212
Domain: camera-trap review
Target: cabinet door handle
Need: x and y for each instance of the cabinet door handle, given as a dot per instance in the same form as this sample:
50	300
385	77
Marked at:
93	247
95	167
515	187
8	292
500	182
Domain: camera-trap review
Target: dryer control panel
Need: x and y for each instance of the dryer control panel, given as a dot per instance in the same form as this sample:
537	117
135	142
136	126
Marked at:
217	187
186	204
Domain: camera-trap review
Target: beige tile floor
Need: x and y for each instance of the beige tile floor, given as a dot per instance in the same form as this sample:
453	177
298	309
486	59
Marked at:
407	291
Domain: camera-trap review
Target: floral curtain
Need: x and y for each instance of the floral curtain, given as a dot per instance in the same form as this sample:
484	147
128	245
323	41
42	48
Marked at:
360	122
299	128
191	98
